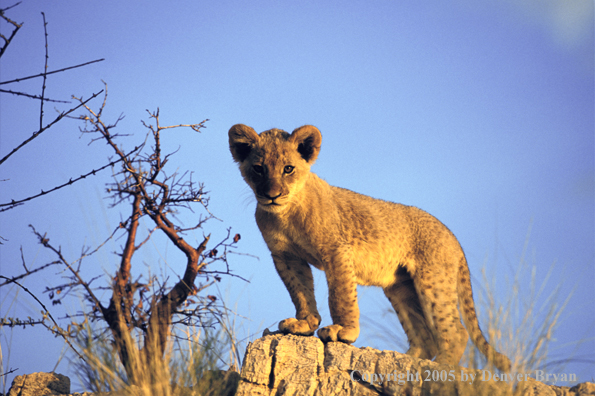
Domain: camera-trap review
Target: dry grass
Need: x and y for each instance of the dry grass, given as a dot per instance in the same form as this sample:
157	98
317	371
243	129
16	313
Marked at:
192	364
523	326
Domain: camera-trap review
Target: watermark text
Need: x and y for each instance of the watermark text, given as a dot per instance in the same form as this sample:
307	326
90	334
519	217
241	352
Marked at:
470	377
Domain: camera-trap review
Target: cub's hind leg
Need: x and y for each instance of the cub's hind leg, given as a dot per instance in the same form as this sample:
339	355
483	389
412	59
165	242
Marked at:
405	301
437	292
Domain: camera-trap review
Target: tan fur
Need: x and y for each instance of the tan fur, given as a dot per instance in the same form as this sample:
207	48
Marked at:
355	240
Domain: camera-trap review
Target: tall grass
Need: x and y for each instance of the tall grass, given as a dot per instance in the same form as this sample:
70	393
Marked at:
523	326
4	370
197	361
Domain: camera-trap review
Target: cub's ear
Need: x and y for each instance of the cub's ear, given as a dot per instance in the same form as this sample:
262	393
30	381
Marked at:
241	140
308	140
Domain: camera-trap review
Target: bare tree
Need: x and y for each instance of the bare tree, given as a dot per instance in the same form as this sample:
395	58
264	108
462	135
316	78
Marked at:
148	306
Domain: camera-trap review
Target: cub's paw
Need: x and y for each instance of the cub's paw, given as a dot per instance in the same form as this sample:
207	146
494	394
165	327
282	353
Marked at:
337	332
297	326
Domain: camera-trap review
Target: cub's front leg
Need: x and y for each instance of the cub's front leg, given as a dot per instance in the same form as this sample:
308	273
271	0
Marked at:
342	298
297	277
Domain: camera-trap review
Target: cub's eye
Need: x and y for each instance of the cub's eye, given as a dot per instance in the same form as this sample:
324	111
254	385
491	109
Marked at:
259	170
288	169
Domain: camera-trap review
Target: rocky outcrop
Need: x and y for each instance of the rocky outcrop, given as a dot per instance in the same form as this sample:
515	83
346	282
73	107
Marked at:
40	384
212	383
292	365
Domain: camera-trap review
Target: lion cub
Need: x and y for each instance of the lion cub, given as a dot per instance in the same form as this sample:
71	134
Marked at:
355	240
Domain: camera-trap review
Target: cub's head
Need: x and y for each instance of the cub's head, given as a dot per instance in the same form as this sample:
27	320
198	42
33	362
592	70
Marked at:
275	164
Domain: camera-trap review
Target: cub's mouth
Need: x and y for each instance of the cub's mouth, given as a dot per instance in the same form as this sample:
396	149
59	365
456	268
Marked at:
271	204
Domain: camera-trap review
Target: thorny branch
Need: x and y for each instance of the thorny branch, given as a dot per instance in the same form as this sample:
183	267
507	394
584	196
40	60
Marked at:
41	97
150	308
51	72
33	96
45	71
48	126
58	251
17	26
54	329
13	203
27	271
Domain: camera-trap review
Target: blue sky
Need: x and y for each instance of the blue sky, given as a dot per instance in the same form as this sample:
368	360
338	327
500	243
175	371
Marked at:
479	113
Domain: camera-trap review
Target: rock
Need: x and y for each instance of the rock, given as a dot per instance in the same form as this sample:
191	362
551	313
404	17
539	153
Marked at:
40	384
586	388
292	365
213	383
288	365
535	388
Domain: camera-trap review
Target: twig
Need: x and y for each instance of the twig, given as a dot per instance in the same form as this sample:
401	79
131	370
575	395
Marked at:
45	128
14	203
9	372
52	72
49	315
46	242
33	96
85	254
27	273
14	32
45	70
9	7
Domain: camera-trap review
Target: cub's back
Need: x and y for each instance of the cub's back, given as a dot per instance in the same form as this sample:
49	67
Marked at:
391	232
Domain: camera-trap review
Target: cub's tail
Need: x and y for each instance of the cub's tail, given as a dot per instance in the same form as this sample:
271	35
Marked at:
467	308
